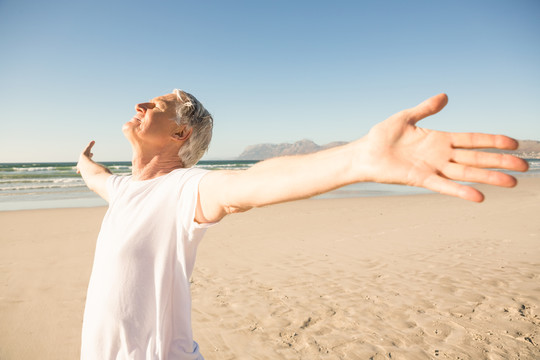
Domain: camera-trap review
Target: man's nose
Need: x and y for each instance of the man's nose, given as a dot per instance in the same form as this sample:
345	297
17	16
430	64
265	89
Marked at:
142	107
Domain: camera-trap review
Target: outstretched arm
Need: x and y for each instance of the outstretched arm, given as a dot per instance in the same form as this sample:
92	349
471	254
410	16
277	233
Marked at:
93	174
395	151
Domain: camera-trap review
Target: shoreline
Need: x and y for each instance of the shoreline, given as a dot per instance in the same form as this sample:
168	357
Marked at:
412	276
359	190
56	185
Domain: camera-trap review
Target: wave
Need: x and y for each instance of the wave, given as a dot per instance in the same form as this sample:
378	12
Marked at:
38	187
18	180
41	168
534	165
22	180
120	169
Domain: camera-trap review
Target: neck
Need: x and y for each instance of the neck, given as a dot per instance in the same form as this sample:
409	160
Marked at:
146	166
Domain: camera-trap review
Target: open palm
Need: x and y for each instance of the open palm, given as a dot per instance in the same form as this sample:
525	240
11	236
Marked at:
403	153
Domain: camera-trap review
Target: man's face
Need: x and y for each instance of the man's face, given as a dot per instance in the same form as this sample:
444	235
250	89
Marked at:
154	122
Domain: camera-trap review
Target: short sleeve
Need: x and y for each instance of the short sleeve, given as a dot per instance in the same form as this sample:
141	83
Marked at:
113	183
188	201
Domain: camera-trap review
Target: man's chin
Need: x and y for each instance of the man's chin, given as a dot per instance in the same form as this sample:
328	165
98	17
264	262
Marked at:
129	131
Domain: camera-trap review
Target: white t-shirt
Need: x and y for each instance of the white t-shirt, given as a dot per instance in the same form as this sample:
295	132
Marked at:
138	304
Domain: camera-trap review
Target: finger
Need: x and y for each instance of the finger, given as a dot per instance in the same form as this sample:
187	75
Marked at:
460	172
478	141
449	187
429	107
87	150
489	160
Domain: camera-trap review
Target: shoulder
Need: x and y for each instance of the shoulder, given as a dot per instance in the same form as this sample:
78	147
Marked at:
114	184
118	180
185	175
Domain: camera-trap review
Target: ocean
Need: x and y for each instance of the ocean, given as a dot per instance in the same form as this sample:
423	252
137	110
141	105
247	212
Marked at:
57	185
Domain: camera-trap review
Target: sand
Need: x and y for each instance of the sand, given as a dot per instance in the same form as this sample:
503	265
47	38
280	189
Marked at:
408	277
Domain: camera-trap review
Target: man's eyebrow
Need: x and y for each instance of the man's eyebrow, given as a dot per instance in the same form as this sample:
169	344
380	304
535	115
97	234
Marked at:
156	101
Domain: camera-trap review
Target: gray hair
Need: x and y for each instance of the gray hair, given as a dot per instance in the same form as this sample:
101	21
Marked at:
190	112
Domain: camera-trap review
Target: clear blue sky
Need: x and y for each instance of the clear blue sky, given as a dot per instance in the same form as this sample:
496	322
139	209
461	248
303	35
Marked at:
272	71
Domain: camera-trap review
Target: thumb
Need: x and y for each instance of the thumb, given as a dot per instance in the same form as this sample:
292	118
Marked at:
88	150
428	107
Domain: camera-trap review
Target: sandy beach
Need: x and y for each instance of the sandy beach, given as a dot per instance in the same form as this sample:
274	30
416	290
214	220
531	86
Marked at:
401	277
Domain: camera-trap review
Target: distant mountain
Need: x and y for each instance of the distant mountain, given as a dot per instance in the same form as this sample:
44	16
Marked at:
265	151
529	149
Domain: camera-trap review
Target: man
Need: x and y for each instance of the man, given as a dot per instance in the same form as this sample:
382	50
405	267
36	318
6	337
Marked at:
138	303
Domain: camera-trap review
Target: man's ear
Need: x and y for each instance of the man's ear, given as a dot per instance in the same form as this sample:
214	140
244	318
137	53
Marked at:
183	134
